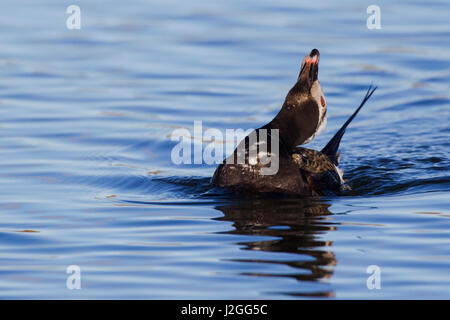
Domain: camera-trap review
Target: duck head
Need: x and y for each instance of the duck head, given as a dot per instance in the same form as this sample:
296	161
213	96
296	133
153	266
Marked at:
303	114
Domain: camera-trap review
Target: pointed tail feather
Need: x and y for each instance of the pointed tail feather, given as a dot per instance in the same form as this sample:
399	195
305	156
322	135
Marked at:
331	149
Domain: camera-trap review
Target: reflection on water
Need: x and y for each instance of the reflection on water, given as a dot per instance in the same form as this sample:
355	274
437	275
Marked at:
298	226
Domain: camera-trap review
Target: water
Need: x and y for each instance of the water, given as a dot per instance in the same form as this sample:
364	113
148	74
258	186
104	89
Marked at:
86	176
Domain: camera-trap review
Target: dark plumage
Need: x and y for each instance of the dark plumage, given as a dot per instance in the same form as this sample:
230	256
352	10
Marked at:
321	167
300	171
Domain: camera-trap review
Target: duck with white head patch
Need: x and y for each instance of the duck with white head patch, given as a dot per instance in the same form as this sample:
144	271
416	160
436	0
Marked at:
300	171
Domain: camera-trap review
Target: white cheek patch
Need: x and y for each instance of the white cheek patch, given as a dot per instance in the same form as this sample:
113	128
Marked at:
322	125
317	94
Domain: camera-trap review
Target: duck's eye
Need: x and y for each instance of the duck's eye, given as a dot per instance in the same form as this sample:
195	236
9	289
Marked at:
322	101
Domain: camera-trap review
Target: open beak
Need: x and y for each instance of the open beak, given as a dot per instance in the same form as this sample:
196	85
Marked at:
310	66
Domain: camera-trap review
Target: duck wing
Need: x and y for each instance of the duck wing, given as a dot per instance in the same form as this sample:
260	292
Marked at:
320	172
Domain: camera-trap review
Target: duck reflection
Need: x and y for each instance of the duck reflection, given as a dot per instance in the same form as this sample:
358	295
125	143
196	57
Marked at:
298	226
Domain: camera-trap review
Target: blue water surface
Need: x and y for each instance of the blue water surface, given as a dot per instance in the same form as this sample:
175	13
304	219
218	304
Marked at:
87	179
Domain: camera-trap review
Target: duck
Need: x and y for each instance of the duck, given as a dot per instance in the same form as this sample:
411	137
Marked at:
269	159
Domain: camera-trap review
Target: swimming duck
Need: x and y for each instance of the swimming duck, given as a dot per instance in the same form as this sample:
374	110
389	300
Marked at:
299	171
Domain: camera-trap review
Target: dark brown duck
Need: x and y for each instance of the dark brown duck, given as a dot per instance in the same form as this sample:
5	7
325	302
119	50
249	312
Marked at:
298	171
